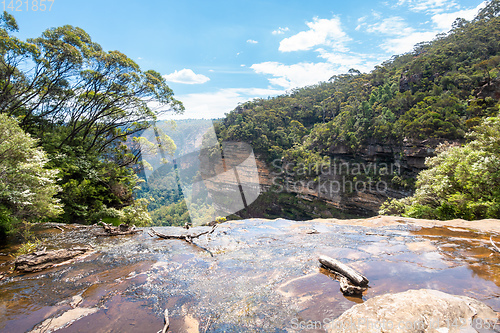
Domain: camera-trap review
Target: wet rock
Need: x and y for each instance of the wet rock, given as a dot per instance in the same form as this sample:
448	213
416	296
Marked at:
75	301
36	261
421	310
64	320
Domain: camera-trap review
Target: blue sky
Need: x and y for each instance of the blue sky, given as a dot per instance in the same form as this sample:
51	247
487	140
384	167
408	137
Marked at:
215	54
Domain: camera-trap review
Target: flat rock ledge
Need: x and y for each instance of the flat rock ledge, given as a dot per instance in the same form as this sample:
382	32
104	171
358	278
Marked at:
39	260
421	310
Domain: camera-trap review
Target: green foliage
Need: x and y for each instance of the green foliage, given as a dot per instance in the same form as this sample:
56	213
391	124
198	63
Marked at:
89	184
175	214
461	182
220	219
137	214
8	223
82	104
27	188
28	247
434	117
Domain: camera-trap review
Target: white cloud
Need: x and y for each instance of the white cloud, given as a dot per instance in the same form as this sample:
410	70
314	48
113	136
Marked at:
405	36
342	62
394	25
211	105
376	15
444	21
362	19
321	32
139	58
430	6
361	23
251	41
296	75
186	76
325	37
280	31
306	73
405	44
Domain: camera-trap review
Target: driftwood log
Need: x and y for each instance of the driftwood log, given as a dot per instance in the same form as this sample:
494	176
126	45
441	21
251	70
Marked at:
36	261
351	282
122	229
184	234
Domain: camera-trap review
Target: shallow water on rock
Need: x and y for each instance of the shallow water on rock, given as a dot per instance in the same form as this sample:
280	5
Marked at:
248	276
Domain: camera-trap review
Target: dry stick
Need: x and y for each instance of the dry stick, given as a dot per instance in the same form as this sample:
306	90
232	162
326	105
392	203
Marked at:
187	237
44	329
58	227
167	322
495	247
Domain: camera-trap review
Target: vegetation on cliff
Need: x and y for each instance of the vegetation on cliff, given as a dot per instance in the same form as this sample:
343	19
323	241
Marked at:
461	182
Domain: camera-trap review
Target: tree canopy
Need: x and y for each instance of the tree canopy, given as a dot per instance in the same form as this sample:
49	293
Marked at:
82	104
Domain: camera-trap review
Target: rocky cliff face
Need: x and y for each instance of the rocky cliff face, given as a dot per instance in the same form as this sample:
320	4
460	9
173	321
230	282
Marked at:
355	184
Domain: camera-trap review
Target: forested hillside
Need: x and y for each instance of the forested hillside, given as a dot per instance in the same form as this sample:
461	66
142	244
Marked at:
437	93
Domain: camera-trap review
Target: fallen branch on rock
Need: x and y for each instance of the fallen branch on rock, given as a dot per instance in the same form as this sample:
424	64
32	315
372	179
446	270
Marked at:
185	234
36	261
122	229
167	322
496	248
351	282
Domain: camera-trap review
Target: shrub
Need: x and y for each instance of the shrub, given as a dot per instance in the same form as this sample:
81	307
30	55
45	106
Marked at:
461	182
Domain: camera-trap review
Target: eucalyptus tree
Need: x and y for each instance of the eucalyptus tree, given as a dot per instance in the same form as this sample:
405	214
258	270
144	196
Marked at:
84	104
63	83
